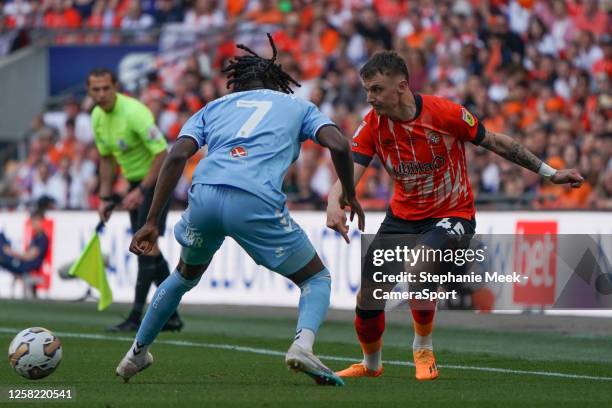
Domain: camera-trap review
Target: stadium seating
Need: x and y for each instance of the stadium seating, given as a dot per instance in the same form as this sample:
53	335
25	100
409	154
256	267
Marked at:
539	71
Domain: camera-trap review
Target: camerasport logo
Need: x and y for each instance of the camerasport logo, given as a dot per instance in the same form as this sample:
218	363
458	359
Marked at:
535	258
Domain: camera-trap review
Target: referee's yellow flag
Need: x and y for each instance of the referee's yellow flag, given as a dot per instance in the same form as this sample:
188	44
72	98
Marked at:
90	268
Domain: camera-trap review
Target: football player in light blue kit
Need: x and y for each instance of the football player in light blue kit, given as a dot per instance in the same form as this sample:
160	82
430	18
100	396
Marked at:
253	135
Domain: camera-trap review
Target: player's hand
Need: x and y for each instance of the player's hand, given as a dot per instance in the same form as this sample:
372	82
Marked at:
132	199
144	239
336	220
351	201
105	209
336	216
571	176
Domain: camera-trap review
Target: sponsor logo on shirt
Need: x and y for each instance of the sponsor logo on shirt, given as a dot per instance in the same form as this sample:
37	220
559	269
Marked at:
415	167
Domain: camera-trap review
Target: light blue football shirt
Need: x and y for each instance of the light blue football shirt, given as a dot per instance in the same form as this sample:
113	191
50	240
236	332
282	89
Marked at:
253	137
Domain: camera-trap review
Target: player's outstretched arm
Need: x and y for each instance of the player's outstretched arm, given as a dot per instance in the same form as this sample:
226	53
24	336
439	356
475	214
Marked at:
515	152
169	175
151	177
343	192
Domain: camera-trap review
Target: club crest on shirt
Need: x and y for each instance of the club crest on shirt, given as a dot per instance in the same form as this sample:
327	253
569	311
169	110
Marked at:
467	117
433	138
239	151
122	145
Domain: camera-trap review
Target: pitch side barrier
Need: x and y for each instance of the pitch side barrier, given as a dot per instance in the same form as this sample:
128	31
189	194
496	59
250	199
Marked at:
556	261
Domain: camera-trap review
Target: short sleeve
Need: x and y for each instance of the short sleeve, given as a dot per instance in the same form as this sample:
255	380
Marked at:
461	123
313	120
194	128
102	146
363	142
143	124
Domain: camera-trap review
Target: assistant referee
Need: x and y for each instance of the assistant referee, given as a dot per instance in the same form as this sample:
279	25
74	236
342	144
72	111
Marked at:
126	135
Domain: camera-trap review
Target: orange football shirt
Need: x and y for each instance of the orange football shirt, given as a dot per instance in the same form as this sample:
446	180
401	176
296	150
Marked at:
425	157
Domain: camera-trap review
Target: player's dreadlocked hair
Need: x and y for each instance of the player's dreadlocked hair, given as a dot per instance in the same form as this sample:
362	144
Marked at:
244	70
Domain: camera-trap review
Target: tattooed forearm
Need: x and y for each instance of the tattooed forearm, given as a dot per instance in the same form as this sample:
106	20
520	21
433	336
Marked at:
511	150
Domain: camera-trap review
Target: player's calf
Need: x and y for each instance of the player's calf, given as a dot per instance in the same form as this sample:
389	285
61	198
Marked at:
370	326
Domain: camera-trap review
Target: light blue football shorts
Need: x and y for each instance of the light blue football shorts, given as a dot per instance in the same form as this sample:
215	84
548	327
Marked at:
268	234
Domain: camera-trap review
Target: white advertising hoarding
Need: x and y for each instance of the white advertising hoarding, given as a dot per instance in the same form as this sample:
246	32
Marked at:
233	278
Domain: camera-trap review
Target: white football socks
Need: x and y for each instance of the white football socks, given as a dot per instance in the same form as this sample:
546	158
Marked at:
305	339
422	342
373	361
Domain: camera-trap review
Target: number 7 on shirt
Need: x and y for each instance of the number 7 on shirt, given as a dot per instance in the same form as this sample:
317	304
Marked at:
261	108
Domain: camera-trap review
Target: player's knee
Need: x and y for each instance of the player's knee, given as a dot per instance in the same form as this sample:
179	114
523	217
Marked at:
367	314
321	279
308	271
191	272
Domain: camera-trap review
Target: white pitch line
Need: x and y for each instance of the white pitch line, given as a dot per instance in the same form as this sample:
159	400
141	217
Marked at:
267	352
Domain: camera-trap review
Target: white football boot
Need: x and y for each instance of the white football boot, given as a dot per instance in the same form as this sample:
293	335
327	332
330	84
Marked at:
299	359
132	364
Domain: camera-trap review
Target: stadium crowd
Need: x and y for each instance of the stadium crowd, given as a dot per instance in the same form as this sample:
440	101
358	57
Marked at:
538	70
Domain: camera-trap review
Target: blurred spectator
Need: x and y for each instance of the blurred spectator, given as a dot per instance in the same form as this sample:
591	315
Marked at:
82	170
590	16
48	186
17	13
601	199
168	11
560	23
83	7
370	27
288	37
22	263
46	138
204	15
265	12
79	117
7	37
74	176
136	22
60	14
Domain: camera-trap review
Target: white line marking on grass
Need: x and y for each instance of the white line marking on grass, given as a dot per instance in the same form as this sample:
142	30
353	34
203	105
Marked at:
267	352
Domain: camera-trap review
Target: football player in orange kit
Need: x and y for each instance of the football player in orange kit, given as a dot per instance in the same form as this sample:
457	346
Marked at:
420	140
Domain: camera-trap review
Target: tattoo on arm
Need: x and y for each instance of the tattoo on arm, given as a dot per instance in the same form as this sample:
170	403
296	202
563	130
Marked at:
511	150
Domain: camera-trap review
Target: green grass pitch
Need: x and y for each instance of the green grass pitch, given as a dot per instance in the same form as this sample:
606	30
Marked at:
237	359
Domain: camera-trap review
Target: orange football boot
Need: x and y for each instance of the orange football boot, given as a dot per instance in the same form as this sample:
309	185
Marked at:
359	370
425	363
